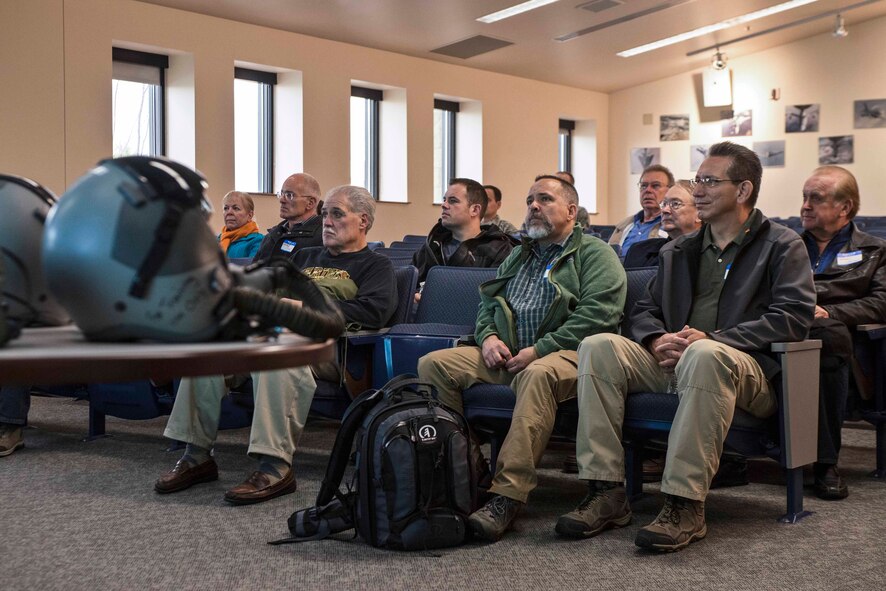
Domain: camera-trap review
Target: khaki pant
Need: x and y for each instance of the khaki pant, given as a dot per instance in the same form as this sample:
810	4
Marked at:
282	401
539	388
711	379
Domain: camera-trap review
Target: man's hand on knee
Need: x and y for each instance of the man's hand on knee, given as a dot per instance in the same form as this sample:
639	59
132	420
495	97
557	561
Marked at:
523	358
495	352
668	348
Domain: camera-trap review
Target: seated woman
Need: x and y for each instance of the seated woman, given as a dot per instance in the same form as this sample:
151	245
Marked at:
240	237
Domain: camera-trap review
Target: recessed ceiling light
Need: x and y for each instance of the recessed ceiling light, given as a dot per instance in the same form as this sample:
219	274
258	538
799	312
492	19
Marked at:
514	10
731	22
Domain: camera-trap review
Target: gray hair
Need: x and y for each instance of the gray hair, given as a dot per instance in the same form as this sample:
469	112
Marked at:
359	199
245	197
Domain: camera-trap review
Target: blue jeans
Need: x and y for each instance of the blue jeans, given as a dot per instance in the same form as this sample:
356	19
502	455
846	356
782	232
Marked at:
15	401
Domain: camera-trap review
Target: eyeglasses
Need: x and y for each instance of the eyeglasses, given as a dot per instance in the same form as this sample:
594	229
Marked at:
710	182
674	204
655	186
288	195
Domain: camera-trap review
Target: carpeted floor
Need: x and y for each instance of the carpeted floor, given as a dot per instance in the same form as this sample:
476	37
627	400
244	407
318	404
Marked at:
83	515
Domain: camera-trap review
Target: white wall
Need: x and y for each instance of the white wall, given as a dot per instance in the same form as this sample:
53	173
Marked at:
822	69
55	102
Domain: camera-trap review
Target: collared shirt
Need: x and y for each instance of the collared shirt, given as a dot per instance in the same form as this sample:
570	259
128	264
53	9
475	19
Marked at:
713	269
823	260
530	293
293	225
639	231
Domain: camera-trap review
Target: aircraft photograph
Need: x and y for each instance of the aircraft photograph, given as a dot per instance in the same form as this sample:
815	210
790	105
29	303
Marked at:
674	128
801	118
771	153
643	157
870	114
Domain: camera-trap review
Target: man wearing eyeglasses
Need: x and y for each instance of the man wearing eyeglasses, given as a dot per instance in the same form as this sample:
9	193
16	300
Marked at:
646	223
720	298
301	226
678	217
849	268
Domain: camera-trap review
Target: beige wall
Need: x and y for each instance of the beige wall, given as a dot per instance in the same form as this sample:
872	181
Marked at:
55	102
821	69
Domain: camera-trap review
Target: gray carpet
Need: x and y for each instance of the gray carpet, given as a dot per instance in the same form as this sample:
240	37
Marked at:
83	515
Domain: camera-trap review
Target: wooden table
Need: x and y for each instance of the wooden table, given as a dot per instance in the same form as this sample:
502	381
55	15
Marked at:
61	355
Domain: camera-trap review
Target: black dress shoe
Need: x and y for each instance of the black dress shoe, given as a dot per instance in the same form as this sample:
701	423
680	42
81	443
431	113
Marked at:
186	475
829	484
733	471
258	488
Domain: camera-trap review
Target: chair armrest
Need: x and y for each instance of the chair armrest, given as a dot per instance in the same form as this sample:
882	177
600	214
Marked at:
874	332
365	337
798	401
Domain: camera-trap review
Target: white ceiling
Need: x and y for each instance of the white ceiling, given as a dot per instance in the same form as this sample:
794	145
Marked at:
415	27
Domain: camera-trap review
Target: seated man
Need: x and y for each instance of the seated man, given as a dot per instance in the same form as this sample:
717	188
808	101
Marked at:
678	217
645	224
458	239
704	330
493	204
849	269
364	283
301	227
558	287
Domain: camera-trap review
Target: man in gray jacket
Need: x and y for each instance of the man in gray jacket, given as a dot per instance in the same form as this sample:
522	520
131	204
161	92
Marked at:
720	298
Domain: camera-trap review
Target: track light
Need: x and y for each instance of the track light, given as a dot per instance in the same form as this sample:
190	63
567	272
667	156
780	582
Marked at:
840	27
718	62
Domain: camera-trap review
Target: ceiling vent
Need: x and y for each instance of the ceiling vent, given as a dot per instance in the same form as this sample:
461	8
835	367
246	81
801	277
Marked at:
472	46
600	5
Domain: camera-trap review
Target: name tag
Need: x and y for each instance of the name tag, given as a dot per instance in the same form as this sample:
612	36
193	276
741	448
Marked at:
848	258
288	246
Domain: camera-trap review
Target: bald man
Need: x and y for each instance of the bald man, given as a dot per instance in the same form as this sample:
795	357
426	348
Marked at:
301	226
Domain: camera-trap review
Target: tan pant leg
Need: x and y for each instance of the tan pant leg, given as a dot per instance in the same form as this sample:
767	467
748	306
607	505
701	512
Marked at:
454	370
712	378
609	366
282	402
539	388
195	414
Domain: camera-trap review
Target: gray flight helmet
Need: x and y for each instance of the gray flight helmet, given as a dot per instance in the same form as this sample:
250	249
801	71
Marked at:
26	298
128	252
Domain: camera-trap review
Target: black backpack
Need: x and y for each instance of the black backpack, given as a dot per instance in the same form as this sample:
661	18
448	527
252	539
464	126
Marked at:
416	476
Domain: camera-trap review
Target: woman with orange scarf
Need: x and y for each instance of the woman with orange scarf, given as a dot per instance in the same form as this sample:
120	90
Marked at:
240	237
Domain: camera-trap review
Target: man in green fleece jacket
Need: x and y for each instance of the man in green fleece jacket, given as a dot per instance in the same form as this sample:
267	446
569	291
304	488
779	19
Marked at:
557	288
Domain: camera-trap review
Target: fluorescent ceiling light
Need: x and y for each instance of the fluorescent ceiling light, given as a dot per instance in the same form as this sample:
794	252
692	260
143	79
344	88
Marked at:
738	20
514	10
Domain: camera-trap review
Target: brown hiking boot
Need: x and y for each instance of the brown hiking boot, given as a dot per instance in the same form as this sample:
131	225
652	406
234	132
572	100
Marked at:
679	523
604	507
10	439
493	519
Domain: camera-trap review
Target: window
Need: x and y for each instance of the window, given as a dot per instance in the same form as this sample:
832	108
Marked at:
444	146
138	91
365	150
254	130
565	156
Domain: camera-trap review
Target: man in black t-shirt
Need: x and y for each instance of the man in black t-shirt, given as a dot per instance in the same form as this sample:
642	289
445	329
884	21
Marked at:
363	284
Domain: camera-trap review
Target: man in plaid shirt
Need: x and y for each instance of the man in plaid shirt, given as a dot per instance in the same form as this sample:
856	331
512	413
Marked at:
557	288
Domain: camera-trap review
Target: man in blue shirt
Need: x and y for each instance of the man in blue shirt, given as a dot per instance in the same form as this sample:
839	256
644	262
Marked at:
654	183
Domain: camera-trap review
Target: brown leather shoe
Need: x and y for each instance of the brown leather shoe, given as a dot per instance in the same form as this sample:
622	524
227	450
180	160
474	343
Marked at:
258	488
184	475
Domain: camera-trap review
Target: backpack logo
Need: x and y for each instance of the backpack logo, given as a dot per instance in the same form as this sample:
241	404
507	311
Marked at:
427	434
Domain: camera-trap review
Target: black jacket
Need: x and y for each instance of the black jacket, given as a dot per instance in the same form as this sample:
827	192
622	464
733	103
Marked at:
645	253
488	249
855	293
275	242
768	296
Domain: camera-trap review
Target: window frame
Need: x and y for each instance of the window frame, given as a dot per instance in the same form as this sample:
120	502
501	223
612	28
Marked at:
450	110
267	81
564	145
372	133
157	99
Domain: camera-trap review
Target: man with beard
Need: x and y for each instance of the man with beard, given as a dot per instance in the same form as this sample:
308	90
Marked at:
559	286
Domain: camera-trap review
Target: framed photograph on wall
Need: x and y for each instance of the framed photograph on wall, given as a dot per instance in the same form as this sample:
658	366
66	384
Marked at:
870	114
837	149
643	157
697	154
674	128
801	118
742	123
771	153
